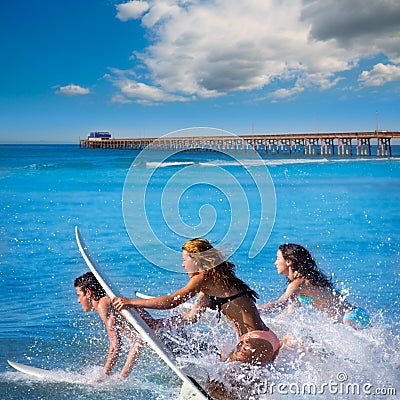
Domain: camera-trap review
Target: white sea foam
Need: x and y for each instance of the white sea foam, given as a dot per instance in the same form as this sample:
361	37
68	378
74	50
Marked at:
367	159
262	162
168	164
239	161
333	361
289	161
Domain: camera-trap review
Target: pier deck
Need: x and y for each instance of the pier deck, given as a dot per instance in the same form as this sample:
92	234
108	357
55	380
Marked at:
340	144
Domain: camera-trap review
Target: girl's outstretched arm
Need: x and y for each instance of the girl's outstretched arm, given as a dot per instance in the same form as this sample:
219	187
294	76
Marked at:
283	302
164	302
190	317
273	306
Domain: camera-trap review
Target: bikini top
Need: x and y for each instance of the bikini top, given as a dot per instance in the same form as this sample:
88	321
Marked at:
305	299
308	300
215	303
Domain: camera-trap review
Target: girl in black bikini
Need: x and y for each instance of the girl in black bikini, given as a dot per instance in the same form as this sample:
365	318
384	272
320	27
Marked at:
214	280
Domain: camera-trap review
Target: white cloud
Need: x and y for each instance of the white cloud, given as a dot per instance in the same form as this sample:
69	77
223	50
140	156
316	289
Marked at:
207	49
380	75
139	92
131	10
284	93
160	11
72	90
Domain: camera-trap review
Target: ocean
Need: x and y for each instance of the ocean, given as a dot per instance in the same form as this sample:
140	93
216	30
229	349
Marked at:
135	210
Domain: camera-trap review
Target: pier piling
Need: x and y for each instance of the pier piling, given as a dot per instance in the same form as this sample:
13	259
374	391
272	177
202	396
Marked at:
347	144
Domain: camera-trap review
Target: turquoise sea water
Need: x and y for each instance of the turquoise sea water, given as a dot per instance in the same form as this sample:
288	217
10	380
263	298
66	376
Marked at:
346	212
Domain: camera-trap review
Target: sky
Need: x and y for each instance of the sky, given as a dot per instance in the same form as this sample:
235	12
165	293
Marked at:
146	68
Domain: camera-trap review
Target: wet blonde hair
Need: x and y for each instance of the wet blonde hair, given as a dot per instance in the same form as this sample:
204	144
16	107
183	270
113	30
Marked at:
213	262
204	253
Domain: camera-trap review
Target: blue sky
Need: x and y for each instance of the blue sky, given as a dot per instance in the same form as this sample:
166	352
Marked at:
146	68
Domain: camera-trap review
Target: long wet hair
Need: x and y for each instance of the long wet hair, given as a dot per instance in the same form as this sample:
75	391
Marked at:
211	260
304	265
89	282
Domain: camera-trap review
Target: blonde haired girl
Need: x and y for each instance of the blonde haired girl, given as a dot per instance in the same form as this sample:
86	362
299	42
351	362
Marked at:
213	279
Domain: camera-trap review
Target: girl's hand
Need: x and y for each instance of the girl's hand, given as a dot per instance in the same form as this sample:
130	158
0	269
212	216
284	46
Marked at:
266	308
288	342
120	303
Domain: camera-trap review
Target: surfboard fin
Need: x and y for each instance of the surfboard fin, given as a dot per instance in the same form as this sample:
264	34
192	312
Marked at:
200	388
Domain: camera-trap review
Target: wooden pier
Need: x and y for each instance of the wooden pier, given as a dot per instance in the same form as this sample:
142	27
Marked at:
313	144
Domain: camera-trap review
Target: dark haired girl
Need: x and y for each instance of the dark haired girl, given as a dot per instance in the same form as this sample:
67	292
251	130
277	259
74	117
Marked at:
308	285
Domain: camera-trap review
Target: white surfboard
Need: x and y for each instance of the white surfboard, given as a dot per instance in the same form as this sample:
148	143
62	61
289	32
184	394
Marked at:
29	370
141	327
145	296
185	306
53	375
